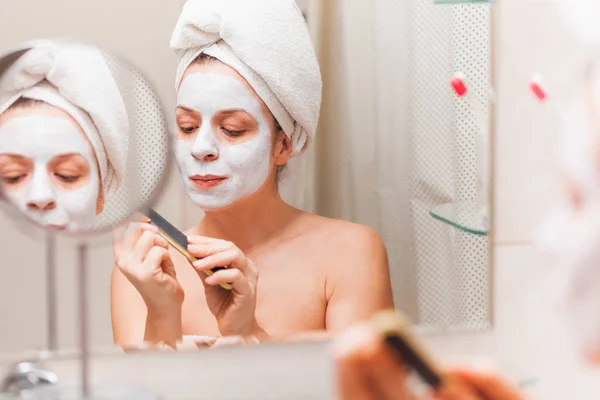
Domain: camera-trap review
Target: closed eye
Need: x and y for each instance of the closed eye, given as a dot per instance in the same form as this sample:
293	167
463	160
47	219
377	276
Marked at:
13	179
67	178
233	133
188	129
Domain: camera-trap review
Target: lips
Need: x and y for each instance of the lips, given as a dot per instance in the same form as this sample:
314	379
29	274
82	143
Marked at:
207	181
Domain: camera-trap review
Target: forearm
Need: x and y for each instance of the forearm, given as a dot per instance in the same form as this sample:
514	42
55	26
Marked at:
163	327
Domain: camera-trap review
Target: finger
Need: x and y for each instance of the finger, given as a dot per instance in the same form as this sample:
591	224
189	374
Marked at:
156	256
454	388
352	377
147	241
124	247
386	371
203	240
207	249
232	276
489	386
229	258
222	259
168	266
134	232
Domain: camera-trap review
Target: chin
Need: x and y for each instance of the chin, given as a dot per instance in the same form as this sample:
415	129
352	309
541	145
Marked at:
209	203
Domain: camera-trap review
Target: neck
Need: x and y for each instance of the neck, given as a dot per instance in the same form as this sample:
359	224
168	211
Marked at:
250	222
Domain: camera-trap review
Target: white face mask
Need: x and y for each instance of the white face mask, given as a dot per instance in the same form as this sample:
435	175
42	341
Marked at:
40	138
246	165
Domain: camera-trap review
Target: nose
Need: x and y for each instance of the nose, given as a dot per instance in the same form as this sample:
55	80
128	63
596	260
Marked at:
41	205
205	147
40	196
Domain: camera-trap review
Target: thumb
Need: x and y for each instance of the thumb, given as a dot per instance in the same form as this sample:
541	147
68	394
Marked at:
168	266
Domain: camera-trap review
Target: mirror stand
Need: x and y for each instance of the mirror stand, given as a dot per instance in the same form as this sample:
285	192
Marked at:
51	293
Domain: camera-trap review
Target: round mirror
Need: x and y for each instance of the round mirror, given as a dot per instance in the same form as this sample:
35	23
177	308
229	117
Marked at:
83	138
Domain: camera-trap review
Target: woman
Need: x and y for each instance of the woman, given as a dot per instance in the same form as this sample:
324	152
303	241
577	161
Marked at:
248	97
63	135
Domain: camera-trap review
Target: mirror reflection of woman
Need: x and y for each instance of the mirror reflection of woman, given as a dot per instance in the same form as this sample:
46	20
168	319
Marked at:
248	99
63	141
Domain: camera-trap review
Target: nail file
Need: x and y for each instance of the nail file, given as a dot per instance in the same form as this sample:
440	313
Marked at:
397	334
178	240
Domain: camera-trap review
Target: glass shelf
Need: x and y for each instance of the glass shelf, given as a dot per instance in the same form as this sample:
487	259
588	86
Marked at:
466	216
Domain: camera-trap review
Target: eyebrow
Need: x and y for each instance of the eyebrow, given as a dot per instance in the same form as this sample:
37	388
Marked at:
187	109
66	155
233	111
229	112
13	155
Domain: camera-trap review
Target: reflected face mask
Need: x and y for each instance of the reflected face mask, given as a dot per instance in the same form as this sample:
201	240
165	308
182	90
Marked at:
58	184
244	166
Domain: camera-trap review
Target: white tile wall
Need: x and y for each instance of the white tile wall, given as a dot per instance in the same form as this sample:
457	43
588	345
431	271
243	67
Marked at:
531	39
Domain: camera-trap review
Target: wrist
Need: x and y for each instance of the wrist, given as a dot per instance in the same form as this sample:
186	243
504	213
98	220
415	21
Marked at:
259	333
163	326
163	312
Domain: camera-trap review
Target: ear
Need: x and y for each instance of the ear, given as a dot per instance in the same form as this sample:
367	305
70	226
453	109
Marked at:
282	151
100	202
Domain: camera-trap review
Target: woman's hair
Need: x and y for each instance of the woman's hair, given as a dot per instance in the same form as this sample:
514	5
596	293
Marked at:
205	59
24	102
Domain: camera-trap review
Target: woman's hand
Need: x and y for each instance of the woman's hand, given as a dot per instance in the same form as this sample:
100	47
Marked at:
234	309
469	385
143	257
366	369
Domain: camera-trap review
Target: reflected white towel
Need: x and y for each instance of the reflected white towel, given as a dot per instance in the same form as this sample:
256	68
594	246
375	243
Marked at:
76	79
268	43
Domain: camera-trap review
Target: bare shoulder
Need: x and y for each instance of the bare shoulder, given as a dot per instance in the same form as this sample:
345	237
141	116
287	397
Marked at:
344	239
357	276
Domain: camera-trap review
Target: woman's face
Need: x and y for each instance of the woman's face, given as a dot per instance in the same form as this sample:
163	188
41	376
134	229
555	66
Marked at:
224	136
48	168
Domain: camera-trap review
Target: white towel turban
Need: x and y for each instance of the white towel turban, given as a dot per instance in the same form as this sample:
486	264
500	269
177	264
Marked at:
267	42
76	79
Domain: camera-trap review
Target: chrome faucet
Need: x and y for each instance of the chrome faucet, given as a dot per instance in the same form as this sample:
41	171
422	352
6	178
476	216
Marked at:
26	376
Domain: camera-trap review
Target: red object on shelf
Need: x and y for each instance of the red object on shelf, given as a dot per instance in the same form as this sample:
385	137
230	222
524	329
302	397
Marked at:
537	88
458	84
538	91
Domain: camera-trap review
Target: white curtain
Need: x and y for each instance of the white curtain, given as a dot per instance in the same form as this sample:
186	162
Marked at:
394	141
